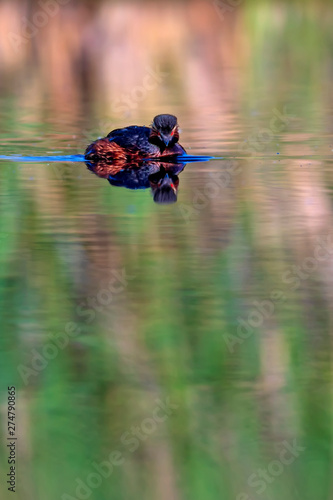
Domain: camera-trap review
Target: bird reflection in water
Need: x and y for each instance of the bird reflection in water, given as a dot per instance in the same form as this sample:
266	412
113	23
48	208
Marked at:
161	177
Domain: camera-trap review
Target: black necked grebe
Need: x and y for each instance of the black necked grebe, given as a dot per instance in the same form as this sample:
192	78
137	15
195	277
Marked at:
134	142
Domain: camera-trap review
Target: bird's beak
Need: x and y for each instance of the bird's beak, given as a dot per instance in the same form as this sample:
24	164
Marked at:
167	181
166	139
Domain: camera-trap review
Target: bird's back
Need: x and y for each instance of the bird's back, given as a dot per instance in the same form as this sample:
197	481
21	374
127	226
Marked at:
131	137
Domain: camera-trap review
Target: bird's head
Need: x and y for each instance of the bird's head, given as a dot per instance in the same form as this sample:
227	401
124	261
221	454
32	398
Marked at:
166	129
165	189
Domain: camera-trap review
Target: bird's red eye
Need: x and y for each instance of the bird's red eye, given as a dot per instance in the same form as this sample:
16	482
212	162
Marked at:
172	133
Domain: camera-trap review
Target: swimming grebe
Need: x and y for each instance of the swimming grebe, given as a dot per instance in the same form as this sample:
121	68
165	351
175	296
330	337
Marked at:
134	142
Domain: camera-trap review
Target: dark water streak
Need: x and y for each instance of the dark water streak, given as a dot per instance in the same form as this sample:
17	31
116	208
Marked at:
81	158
